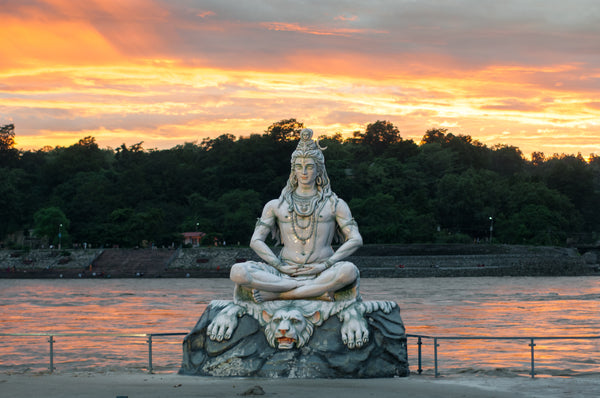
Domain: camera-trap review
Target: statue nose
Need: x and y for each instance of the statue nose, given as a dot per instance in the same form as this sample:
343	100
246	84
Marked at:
283	331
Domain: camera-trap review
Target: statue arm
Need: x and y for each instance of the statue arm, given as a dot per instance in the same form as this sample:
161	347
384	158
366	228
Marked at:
263	227
258	243
349	229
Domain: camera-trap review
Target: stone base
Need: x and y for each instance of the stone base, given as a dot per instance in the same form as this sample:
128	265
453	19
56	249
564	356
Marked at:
248	354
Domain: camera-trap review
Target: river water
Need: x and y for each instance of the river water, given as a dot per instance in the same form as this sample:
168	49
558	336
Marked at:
515	306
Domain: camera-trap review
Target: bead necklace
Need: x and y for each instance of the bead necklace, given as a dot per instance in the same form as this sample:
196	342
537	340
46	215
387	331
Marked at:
302	208
311	223
304	205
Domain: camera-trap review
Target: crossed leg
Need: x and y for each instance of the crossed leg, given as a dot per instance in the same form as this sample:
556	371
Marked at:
269	284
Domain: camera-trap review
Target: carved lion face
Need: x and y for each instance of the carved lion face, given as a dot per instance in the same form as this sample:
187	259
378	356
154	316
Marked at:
289	327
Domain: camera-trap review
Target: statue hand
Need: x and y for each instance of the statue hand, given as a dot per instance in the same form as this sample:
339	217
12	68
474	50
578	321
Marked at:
288	269
311	269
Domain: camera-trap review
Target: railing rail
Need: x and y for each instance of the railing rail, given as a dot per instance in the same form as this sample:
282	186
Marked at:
420	337
531	340
51	341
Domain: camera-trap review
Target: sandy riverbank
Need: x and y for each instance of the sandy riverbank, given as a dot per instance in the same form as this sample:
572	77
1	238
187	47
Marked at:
90	385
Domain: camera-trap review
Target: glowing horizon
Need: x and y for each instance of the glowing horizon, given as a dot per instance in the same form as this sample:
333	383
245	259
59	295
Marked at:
169	73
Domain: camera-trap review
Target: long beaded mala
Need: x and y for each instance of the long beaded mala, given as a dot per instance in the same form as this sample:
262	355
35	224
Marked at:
305	207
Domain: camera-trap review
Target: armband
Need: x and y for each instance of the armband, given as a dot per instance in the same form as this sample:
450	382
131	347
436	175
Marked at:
329	263
350	222
260	222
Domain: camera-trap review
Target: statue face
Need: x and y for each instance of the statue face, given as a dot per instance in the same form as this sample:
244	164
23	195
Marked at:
305	170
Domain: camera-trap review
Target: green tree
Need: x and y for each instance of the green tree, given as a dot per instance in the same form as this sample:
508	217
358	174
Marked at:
470	153
532	213
380	135
87	198
63	163
574	178
285	130
398	191
52	223
507	160
8	153
379	218
7	137
466	201
239	210
13	186
533	224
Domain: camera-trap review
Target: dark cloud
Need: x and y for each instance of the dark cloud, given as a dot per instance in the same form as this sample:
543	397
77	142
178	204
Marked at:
471	32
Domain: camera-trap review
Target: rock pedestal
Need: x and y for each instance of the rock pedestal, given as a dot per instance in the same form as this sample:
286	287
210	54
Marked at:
248	352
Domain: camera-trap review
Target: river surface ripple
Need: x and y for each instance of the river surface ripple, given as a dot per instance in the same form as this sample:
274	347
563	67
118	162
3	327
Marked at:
512	306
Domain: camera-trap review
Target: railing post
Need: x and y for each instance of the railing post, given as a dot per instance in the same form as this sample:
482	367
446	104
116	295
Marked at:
149	353
435	361
419	344
51	341
532	344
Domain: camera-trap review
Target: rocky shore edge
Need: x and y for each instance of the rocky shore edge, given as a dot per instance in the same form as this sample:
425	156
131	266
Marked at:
396	261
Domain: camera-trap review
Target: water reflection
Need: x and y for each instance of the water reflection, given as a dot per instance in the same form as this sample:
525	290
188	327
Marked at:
431	306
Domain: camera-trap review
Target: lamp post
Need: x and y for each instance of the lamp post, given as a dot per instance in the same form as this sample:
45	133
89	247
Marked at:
59	236
491	228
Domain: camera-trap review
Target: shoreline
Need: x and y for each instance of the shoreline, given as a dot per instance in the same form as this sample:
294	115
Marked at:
389	261
118	384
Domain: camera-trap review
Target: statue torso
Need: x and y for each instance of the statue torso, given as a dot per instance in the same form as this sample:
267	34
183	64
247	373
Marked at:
306	238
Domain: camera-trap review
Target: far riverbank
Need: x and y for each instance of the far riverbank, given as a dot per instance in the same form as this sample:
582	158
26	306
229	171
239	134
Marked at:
397	261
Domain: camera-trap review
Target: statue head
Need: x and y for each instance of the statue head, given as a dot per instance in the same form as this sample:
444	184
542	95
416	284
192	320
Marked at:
309	148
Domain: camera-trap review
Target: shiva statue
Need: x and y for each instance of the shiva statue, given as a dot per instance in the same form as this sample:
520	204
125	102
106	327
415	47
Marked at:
305	219
308	281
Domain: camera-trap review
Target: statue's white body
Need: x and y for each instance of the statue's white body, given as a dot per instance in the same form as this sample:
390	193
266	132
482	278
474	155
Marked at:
305	219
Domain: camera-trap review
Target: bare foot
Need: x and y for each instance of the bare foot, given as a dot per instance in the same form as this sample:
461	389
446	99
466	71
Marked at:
262	296
327	296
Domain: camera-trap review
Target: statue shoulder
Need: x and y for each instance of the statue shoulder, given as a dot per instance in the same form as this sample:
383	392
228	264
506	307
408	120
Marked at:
273	205
269	217
341	207
343	215
272	208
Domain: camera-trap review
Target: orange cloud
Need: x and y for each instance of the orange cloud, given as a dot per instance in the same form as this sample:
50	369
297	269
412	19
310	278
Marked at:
165	73
295	27
52	43
62	32
205	14
345	18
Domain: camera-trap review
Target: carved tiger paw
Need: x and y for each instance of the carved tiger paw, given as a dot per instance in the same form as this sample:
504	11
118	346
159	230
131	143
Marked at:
222	327
355	332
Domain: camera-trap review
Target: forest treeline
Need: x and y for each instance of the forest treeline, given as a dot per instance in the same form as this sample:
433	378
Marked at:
446	188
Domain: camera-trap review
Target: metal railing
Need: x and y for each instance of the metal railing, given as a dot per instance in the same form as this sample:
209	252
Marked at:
51	341
531	340
149	339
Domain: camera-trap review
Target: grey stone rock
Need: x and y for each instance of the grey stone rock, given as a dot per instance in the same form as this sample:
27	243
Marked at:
590	257
248	354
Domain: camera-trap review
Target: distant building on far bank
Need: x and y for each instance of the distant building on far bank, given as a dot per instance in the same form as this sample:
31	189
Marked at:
193	238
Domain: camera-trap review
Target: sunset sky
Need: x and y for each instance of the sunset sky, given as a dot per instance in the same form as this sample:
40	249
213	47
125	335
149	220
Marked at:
524	73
